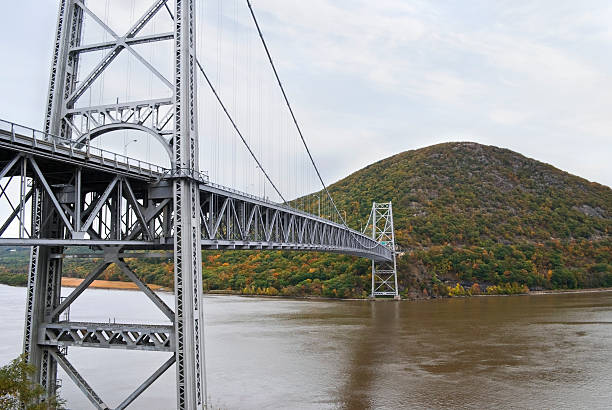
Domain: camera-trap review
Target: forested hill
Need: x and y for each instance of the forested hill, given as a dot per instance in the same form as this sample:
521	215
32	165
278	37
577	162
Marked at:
470	194
473	213
487	218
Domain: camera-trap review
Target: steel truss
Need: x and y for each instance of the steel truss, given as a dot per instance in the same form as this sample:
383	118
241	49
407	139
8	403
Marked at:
112	210
73	194
85	121
105	203
108	335
384	273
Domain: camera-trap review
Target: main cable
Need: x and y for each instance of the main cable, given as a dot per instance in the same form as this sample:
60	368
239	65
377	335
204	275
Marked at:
229	117
297	126
280	84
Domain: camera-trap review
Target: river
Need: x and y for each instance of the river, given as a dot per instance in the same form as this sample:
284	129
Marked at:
545	351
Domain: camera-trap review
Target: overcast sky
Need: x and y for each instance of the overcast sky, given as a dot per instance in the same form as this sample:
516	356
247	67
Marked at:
372	78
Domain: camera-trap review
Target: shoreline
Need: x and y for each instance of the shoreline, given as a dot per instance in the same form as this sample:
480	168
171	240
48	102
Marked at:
533	293
130	286
561	291
108	284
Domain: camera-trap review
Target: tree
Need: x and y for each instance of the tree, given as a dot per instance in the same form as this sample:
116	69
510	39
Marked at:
18	391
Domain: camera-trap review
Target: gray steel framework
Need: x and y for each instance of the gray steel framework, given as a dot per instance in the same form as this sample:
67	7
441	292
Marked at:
102	201
108	335
384	272
121	208
70	193
78	216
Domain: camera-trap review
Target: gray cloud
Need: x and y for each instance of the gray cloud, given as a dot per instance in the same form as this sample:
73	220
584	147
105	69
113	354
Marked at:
369	79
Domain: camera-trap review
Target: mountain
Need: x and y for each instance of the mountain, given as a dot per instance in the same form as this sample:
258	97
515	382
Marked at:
478	216
475	213
470	194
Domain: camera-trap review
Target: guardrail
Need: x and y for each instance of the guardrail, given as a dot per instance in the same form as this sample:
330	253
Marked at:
53	144
358	235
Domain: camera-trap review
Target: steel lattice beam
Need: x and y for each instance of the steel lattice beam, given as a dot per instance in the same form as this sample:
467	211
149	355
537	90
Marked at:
131	208
158	338
384	273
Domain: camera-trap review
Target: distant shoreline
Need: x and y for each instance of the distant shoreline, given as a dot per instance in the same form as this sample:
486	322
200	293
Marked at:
107	284
558	291
120	285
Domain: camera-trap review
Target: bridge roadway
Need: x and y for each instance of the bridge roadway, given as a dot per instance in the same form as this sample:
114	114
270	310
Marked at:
104	199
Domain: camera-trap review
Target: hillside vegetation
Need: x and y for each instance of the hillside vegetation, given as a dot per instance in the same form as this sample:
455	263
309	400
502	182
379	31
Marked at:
475	213
478	216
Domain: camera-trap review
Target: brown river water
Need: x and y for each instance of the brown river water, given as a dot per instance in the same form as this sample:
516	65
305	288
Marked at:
545	351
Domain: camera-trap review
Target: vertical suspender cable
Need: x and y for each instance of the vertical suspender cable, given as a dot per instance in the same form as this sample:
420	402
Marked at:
280	84
229	117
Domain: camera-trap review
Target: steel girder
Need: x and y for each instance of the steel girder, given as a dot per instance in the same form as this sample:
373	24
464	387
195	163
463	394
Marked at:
113	203
106	209
158	338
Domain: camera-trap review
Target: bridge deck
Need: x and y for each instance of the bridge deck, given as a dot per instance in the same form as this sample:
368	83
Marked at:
230	219
16	137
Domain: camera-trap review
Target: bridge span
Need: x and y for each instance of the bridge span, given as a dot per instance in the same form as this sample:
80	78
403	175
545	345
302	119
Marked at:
61	192
106	199
120	208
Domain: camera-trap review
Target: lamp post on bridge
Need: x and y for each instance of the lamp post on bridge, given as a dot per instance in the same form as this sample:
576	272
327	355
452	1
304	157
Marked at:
264	184
125	145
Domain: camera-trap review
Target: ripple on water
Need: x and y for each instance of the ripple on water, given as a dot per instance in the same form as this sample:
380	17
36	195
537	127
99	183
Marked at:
552	351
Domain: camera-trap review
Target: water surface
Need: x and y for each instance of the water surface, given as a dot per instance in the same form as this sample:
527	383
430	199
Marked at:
548	351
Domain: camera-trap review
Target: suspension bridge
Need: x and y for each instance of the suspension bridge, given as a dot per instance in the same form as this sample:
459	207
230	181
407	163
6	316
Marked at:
67	192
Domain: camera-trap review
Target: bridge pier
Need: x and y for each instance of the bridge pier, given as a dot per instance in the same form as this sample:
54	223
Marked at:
43	292
384	273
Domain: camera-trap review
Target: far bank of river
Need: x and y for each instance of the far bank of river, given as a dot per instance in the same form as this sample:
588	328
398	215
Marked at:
106	284
120	285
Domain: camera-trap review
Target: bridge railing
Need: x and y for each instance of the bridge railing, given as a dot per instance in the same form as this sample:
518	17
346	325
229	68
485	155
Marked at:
53	144
357	234
26	137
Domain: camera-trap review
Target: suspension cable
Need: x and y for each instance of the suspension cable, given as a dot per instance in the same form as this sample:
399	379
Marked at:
229	117
294	121
280	84
263	41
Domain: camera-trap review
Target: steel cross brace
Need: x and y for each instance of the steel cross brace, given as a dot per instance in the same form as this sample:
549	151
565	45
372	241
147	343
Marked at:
108	335
120	44
90	393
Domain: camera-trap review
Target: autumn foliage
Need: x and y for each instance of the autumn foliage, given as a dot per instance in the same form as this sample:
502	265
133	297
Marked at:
486	218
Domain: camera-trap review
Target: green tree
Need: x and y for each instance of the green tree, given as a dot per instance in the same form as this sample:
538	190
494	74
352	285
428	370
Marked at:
18	391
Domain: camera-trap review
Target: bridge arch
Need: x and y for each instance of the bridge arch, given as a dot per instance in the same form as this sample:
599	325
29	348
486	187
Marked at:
107	128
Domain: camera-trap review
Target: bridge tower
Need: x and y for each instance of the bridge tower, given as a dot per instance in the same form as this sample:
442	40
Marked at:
171	118
384	274
119	208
